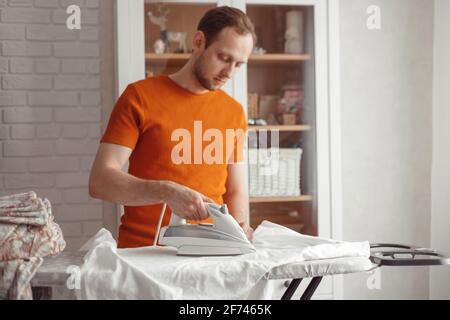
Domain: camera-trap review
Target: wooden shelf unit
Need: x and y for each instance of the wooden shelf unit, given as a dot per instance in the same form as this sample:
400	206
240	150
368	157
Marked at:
266	74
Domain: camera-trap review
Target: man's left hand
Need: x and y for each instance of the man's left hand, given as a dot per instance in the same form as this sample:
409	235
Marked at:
248	231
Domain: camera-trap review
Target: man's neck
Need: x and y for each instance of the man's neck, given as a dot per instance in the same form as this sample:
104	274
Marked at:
186	79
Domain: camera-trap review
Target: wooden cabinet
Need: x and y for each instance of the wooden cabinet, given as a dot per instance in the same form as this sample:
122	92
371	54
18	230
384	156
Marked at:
281	95
295	69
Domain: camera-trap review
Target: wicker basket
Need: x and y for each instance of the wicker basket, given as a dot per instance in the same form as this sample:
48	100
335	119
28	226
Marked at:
274	172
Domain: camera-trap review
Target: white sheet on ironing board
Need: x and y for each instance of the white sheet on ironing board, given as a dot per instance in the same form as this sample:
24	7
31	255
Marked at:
157	273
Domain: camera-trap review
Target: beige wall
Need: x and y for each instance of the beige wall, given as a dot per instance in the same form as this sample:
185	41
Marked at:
386	83
440	217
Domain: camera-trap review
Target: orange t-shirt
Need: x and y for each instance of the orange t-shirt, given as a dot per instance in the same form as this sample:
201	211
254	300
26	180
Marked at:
159	120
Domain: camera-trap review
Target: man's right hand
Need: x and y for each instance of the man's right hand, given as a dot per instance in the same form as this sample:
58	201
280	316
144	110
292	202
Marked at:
186	202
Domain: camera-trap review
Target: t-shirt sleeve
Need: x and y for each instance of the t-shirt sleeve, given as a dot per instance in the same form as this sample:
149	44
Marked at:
126	120
240	139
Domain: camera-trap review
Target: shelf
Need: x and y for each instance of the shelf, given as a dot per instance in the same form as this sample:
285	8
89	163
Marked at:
281	199
277	59
167	56
270	58
297	127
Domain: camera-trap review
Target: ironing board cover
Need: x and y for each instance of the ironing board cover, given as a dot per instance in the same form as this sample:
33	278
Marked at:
158	273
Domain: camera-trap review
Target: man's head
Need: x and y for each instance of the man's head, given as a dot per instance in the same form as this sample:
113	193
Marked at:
223	42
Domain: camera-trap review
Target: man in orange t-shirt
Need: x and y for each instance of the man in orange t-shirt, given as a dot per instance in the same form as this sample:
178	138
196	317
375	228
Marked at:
182	135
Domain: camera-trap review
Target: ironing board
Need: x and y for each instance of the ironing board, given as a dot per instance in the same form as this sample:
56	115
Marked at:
382	254
55	271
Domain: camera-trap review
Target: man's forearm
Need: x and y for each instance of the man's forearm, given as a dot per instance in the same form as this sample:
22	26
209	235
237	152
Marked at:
120	187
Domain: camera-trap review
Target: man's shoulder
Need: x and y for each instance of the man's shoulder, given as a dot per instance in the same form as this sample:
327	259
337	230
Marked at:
149	83
229	100
235	111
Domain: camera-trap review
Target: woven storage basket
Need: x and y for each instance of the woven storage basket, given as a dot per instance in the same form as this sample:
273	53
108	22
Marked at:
274	172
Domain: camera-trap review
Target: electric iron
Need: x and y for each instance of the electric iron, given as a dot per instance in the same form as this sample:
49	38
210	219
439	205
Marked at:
223	238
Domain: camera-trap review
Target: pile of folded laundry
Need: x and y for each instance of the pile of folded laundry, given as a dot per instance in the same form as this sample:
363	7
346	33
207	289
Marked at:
28	233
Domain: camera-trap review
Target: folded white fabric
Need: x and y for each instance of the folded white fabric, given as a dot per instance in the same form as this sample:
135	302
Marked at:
157	273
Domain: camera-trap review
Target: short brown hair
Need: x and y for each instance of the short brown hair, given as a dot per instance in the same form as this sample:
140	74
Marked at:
220	18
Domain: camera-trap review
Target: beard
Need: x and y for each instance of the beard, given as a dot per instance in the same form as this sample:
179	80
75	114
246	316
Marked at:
199	74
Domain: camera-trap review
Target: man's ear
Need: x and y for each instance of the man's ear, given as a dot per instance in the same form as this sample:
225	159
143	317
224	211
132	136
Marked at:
198	41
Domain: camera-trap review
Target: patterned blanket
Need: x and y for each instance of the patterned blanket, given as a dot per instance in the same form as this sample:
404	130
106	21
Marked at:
28	233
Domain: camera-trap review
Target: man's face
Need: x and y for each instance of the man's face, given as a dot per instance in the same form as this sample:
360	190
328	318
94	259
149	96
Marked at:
218	63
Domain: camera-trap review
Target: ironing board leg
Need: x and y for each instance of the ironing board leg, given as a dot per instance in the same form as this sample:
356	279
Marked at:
41	293
312	286
291	289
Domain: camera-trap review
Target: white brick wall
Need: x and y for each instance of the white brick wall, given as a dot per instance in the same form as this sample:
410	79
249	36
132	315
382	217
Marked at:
50	108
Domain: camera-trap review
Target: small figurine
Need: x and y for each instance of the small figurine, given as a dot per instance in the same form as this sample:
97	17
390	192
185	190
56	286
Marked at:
159	46
259	50
165	35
